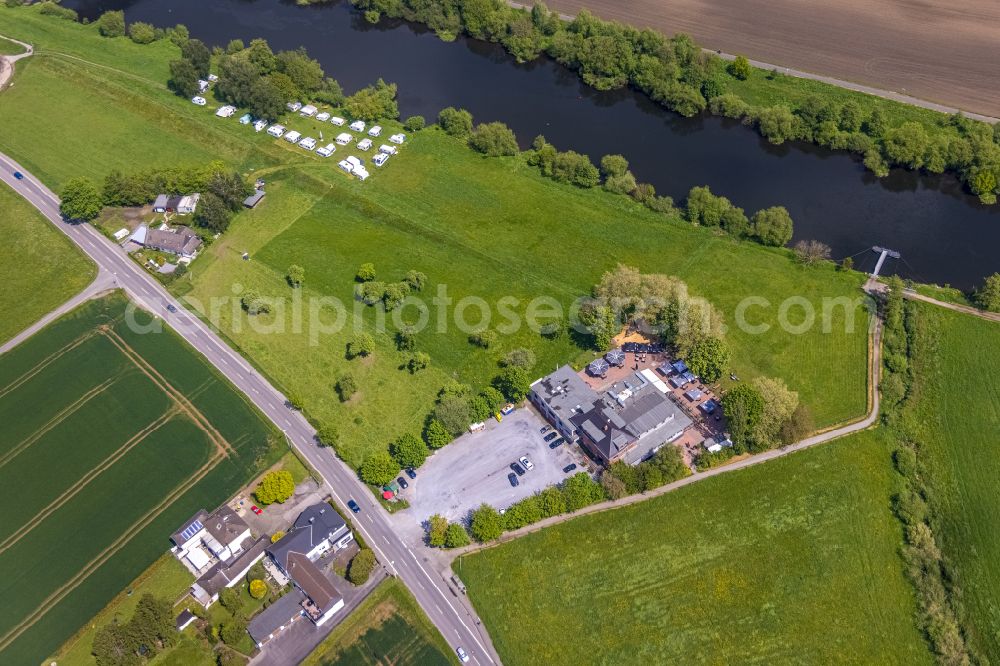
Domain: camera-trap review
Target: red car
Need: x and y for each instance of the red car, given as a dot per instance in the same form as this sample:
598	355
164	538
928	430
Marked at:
256	509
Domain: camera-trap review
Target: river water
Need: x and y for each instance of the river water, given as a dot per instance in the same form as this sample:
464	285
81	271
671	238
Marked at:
943	234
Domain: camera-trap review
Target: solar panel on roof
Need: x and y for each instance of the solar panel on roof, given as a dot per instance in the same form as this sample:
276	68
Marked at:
191	530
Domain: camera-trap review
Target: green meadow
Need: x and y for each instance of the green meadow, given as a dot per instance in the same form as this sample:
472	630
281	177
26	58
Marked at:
39	267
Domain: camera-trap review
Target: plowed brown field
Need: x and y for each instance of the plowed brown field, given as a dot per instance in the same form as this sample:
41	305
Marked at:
945	51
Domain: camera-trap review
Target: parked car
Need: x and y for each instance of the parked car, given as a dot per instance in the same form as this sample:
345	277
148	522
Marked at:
256	509
569	468
513	480
410	472
526	463
517	469
18	175
353	506
402	483
552	435
556	443
545	429
463	656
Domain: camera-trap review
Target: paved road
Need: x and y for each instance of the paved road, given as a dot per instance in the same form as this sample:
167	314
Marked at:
453	618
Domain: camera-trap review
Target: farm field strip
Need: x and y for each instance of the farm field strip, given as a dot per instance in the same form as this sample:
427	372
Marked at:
48	360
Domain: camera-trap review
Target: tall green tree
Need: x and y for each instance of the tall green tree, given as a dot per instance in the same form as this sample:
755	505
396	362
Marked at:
486	524
111	24
379	469
744	408
773	226
80	199
408	451
276	486
709	358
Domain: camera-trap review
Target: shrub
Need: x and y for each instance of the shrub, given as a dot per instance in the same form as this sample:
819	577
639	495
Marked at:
363	344
52	9
437	526
142	33
277	536
296	275
345	387
453	413
486	524
456	122
366	272
361	567
231	600
254	303
276	486
419	361
258	588
415	280
414	123
740	68
773	226
581	490
484	339
233	631
513	382
456	536
328	435
520	358
435	434
494	140
111	24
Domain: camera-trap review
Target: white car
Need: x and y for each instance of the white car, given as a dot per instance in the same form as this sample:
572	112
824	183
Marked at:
199	100
525	463
364	144
463	656
358	126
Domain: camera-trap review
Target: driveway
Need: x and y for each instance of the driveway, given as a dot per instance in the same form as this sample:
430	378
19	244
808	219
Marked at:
473	469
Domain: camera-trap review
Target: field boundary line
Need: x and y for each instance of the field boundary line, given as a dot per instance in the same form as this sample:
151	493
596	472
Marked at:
47	361
68	411
93	473
62	591
223	446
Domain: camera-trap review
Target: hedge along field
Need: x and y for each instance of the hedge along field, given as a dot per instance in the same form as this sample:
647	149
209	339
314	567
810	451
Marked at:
795	561
57	268
146	475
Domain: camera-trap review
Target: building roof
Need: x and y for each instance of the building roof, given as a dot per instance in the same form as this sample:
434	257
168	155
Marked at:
563	391
222	574
191	527
253	199
181	240
160	201
318	523
224	525
275	616
184	618
310	579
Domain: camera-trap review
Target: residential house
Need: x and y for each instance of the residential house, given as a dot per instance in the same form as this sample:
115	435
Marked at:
205	536
180	241
227	574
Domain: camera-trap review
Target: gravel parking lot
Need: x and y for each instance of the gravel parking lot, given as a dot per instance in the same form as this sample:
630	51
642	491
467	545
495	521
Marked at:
473	469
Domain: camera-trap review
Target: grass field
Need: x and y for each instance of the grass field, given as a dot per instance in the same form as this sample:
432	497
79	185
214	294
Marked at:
956	418
39	267
512	233
387	629
794	561
111	438
8	47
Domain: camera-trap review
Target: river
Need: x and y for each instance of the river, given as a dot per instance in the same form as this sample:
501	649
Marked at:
944	235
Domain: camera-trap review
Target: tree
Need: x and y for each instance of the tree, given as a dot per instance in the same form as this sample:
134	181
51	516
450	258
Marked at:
453	413
456	122
614	488
581	490
80	199
113	646
405	340
484	339
366	273
456	536
328	435
230	187
408	451
212	213
258	588
199	55
779	404
296	275
183	78
379	469
773	226
435	434
847	264
415	280
414	123
229	658
552	502
907	144
798	427
614	165
345	387
778	124
740	68
111	24
363	344
494	140
419	361
178	35
305	72
478	408
486	524
230	599
513	382
520	358
276	486
493	398
437	526
233	630
744	408
670	462
254	303
235	46
371	292
361	566
709	358
142	33
373	102
393	295
811	251
988	296
703	207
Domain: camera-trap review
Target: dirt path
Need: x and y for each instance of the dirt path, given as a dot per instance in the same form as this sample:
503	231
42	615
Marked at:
7	61
964	309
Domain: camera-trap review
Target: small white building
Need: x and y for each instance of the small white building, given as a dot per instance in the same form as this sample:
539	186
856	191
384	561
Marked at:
388	150
259	125
307	143
308	111
361	173
226	111
188	204
327	150
344	138
293	136
380	159
323	117
364	144
376	130
276	130
122	234
293	106
337	120
358	126
397	138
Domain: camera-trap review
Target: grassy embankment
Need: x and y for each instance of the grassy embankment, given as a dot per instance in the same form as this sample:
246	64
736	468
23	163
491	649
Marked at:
39	267
486	227
387	628
793	561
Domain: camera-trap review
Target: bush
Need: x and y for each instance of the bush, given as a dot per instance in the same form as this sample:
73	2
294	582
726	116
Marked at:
254	303
363	344
142	33
276	486
456	536
296	275
513	382
581	490
486	524
328	435
435	434
233	631
414	123
484	339
456	122
231	600
361	567
494	140
52	9
258	588
773	226
437	527
345	387
111	24
419	361
453	413
520	358
366	272
740	68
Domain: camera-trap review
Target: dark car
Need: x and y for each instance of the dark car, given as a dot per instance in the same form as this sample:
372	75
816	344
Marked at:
556	443
410	472
552	435
353	506
513	480
569	468
545	429
517	468
18	175
171	308
402	483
